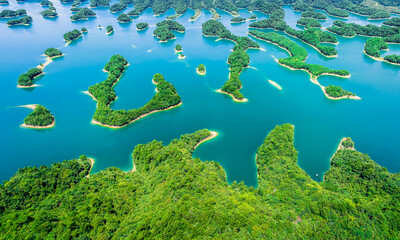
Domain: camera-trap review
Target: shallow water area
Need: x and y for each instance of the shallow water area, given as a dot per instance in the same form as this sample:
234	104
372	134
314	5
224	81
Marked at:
320	123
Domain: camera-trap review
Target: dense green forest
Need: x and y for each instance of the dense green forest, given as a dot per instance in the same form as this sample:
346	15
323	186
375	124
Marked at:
83	30
298	55
309	22
142	26
313	14
351	29
46	3
238	20
71	35
104	94
201	68
178	48
337	92
83	14
312	36
237	60
12	13
117	7
53	52
123	18
26	79
374	45
253	17
164	28
171	195
40	117
27	20
99	3
49	13
109	29
393	22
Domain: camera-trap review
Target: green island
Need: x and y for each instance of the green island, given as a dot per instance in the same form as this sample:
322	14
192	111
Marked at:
393	22
201	69
12	13
46	3
53	52
123	18
164	30
39	118
109	29
312	36
374	45
165	98
253	17
117	7
82	14
26	79
142	26
325	6
84	30
298	56
191	199
313	14
49	13
238	20
27	20
99	3
237	60
72	35
178	48
52	8
309	22
337	92
351	29
4	2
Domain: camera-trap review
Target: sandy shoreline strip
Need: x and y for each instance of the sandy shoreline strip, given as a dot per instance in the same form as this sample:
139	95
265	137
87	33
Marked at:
234	99
275	84
201	73
212	135
91	166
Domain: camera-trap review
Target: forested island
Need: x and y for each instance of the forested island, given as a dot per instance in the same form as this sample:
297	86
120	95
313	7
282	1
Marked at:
4	2
117	7
337	92
123	18
141	26
297	58
393	22
164	30
71	35
53	52
27	20
313	14
374	45
201	69
190	198
351	29
39	118
178	48
26	79
12	13
309	22
82	14
312	36
237	60
165	98
46	3
109	29
238	20
99	3
84	30
49	13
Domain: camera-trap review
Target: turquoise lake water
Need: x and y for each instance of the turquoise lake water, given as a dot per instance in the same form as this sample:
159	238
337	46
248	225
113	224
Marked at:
320	123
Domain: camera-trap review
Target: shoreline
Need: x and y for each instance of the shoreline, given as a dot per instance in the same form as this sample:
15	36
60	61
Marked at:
91	166
196	16
31	86
329	56
142	116
212	135
234	99
33	107
381	59
275	84
181	57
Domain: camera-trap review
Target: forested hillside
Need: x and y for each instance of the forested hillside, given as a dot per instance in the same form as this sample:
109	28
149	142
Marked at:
170	195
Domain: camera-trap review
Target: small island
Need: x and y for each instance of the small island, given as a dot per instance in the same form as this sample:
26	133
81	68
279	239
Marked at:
4	2
49	13
99	3
164	30
309	22
253	17
142	26
53	53
181	56
83	14
26	79
313	14
27	20
12	13
178	48
123	18
117	7
39	118
201	70
337	92
109	29
46	3
72	35
84	30
238	20
166	97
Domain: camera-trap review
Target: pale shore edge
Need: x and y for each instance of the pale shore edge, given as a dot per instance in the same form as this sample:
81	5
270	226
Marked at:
234	99
212	135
